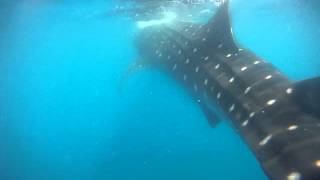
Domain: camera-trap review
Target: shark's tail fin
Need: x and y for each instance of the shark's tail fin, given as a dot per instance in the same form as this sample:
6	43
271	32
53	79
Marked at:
218	30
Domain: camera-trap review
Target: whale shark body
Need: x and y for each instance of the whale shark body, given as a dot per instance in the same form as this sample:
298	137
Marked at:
278	119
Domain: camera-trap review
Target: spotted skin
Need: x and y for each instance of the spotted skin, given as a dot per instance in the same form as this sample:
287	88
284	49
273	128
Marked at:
255	95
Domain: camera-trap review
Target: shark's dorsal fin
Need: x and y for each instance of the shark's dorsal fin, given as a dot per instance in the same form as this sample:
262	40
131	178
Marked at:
307	94
218	31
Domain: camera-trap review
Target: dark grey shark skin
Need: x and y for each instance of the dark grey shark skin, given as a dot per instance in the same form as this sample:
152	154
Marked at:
260	101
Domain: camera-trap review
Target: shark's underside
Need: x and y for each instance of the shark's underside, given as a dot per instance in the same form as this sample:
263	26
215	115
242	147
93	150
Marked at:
278	119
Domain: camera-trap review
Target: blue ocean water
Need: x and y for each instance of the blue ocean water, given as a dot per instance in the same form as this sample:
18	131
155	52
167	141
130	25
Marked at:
62	115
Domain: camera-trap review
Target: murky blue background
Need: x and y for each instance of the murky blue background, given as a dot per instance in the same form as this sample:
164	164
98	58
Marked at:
63	117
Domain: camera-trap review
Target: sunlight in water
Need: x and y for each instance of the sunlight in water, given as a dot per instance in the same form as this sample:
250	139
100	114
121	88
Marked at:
168	17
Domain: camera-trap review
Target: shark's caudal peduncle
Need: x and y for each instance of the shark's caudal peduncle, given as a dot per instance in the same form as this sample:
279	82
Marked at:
280	126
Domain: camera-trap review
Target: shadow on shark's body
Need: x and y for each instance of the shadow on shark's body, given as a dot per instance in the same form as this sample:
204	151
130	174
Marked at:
278	119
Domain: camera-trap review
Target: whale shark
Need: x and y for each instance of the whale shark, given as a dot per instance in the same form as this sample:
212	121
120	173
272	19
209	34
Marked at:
277	118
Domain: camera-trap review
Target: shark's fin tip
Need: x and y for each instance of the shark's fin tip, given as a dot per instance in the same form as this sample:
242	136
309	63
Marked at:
212	118
306	94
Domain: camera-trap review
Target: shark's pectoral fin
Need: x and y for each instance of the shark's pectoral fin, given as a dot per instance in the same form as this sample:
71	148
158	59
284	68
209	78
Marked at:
211	116
307	94
134	67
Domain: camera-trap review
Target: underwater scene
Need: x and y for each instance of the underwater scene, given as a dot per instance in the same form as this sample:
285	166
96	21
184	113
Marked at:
159	89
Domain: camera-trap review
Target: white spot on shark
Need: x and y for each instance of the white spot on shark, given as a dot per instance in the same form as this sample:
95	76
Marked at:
231	80
268	77
228	55
294	176
265	140
292	127
179	52
245	123
289	91
271	102
206	58
256	62
251	114
197	69
244	68
217	66
195	87
184	77
231	108
205	82
187	61
218	95
220	46
195	50
246	91
174	67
